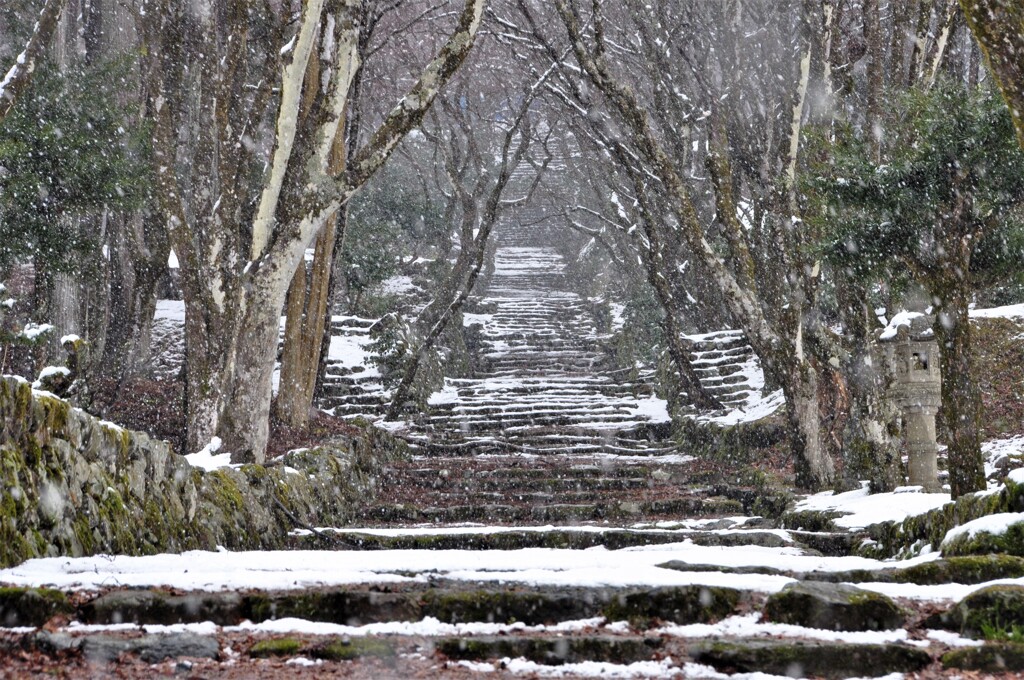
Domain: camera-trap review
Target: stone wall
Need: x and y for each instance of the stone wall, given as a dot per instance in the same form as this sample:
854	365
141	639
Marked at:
71	484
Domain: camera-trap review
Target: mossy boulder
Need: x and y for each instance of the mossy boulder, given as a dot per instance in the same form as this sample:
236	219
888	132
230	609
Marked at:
545	650
994	608
687	604
1006	657
833	606
999	533
968	569
31	606
800	658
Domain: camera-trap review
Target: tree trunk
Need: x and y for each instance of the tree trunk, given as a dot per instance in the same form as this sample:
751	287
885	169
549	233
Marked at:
306	313
869	449
244	423
814	469
961	396
308	318
998	26
135	270
18	78
230	360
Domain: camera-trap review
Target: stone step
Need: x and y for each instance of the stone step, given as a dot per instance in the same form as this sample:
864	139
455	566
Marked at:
568	538
674	508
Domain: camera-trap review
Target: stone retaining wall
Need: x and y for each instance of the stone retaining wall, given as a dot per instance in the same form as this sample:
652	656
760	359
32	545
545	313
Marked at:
71	484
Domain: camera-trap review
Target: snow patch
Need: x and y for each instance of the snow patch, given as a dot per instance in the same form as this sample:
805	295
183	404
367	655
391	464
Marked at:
863	509
899	319
996	525
207	458
1005	312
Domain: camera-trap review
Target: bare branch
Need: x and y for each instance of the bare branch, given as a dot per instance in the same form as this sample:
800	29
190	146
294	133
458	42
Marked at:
20	75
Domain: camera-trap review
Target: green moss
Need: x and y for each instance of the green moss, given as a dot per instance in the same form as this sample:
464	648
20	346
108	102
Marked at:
495	606
275	647
689	604
82	530
969	570
993	607
31	606
1010	542
832	606
1013	632
224	491
810	520
344	649
990	658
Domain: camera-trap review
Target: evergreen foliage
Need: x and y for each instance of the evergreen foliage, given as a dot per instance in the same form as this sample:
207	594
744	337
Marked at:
389	220
951	169
65	150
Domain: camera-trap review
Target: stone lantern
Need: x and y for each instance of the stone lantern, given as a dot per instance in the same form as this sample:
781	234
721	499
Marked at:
913	355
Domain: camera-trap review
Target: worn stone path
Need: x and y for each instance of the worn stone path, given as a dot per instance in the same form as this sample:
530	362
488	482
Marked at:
544	525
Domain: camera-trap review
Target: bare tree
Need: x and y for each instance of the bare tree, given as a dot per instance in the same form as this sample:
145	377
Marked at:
217	69
657	122
478	191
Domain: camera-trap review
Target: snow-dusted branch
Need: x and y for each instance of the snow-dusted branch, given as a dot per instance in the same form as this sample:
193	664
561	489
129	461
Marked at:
300	48
20	74
408	113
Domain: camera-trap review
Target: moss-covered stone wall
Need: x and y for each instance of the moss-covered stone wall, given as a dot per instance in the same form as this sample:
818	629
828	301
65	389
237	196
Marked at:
71	484
895	539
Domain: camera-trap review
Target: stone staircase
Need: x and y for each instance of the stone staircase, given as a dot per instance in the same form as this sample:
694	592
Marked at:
543	525
727	367
352	387
542	387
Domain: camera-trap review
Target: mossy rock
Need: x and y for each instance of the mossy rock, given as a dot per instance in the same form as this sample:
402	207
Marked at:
811	520
346	649
595	648
968	569
506	606
993	608
800	658
990	658
31	606
156	607
275	647
833	606
335	605
1009	542
687	604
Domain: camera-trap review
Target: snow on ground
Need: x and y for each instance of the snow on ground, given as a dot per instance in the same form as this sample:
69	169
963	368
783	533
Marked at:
170	310
680	528
996	449
349	351
756	408
470	319
652	409
595	567
397	285
207	458
864	509
1006	312
749	625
